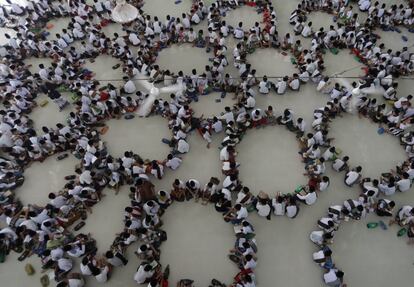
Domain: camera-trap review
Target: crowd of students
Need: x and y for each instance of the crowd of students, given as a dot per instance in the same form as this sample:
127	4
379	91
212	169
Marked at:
45	230
392	113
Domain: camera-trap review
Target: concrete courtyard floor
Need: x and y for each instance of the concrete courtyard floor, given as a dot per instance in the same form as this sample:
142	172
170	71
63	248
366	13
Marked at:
198	238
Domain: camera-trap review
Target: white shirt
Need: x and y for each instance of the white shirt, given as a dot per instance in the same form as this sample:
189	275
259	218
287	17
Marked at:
306	31
85	177
217	126
294	84
133	38
224	154
405	212
85	270
337	164
330	276
76	282
65	264
129	87
141	275
279	208
281	87
386	189
323	185
364	5
228	117
226	193
263	209
250	264
263	87
291	211
183	146
56	254
250	102
103	276
173	163
16	8
238	33
242	213
59	201
309	198
351	177
195	18
404	184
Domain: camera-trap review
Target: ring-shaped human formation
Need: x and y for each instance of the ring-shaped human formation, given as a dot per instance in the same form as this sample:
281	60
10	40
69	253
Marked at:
45	230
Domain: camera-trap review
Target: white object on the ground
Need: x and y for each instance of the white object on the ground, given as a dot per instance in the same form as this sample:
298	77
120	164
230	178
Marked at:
154	92
124	12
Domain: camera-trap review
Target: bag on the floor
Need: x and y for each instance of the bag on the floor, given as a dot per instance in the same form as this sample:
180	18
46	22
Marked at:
24	255
401	232
104	130
2	256
166	141
372	225
79	225
43	103
129	117
62	156
29	269
334	51
70	177
250	208
234	258
44	280
217	283
185	283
